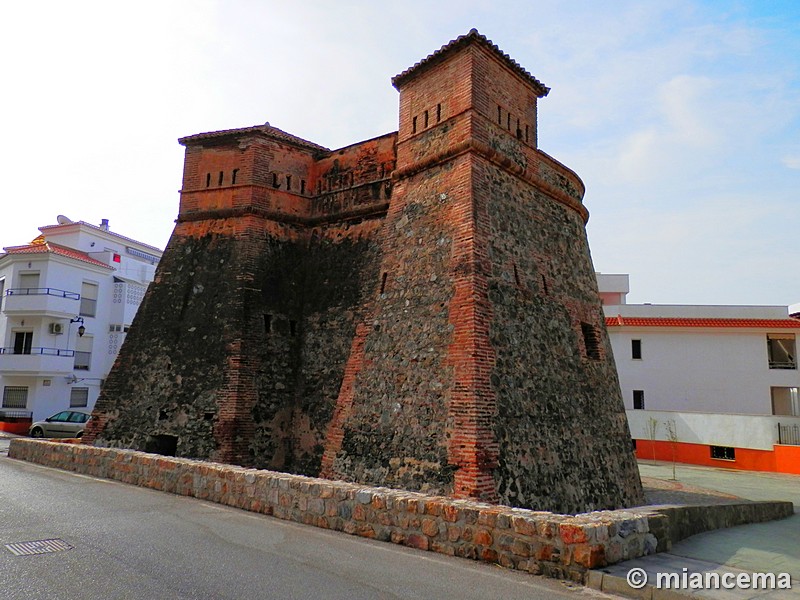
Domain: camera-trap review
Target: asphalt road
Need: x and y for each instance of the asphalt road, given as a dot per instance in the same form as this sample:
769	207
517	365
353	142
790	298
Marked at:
132	543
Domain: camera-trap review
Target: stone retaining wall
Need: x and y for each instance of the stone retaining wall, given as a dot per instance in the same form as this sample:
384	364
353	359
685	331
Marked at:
561	546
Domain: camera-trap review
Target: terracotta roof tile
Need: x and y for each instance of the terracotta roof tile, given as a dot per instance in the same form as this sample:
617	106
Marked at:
461	41
265	129
620	321
50	248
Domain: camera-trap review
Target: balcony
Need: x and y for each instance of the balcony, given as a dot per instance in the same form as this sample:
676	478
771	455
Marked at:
48	302
40	361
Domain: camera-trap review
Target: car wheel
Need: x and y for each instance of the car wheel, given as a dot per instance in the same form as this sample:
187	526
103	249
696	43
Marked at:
79	435
37	432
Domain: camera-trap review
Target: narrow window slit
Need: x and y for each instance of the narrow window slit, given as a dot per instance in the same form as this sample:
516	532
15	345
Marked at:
516	274
383	282
208	179
591	340
438	112
414	125
233	176
426	119
221	177
267	323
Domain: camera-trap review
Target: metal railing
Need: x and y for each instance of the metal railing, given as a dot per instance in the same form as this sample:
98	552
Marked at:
789	434
15	416
43	292
38	351
782	364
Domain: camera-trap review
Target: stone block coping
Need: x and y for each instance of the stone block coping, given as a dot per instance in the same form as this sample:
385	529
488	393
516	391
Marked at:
542	543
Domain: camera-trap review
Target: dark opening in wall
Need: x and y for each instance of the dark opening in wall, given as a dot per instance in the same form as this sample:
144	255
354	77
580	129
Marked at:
163	444
426	119
292	328
288	182
519	131
544	286
234	173
508	121
208	416
302	186
636	349
591	340
723	452
275	183
438	112
638	399
221	177
526	133
163	415
414	125
208	179
516	274
383	282
499	116
267	323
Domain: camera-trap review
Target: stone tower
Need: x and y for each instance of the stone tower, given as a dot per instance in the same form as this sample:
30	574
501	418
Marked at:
416	311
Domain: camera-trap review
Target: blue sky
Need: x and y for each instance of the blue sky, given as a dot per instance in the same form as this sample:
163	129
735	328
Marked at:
681	117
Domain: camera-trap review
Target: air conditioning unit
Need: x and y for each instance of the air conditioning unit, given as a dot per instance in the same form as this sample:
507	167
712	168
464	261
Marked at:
56	328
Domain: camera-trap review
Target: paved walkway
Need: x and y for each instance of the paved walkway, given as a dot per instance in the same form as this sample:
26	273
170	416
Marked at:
772	547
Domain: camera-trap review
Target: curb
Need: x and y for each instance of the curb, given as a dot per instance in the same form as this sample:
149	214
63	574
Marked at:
613	584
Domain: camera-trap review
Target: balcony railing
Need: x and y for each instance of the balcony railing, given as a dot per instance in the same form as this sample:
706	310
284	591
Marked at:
39	351
47	301
36	361
782	364
43	292
789	434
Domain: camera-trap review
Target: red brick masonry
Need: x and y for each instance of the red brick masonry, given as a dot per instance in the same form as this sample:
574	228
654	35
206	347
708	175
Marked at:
562	546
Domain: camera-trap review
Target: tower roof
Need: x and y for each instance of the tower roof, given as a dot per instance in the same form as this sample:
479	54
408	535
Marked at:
266	129
473	37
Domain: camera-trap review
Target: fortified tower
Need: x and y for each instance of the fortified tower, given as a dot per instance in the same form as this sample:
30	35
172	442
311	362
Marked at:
417	311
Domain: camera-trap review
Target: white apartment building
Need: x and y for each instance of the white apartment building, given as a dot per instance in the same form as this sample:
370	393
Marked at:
725	378
67	300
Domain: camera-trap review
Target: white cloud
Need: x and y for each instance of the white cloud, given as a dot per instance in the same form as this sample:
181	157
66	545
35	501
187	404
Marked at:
791	162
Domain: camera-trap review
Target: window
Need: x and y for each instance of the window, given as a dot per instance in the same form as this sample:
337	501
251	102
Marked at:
88	299
638	399
29	283
636	349
2	291
79	398
61	417
76	417
723	452
22	342
785	401
234	173
83	353
780	351
15	396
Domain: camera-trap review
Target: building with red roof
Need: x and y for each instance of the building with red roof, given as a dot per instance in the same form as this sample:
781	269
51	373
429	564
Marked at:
711	385
67	300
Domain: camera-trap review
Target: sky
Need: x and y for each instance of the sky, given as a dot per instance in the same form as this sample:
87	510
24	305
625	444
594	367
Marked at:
682	117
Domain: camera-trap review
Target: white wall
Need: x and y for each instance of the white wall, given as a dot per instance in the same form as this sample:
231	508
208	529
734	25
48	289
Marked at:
738	431
692	369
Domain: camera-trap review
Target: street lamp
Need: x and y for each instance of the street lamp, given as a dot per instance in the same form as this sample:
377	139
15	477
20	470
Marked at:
81	329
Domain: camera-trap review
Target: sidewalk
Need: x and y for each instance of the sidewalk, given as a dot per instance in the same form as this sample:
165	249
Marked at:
772	547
